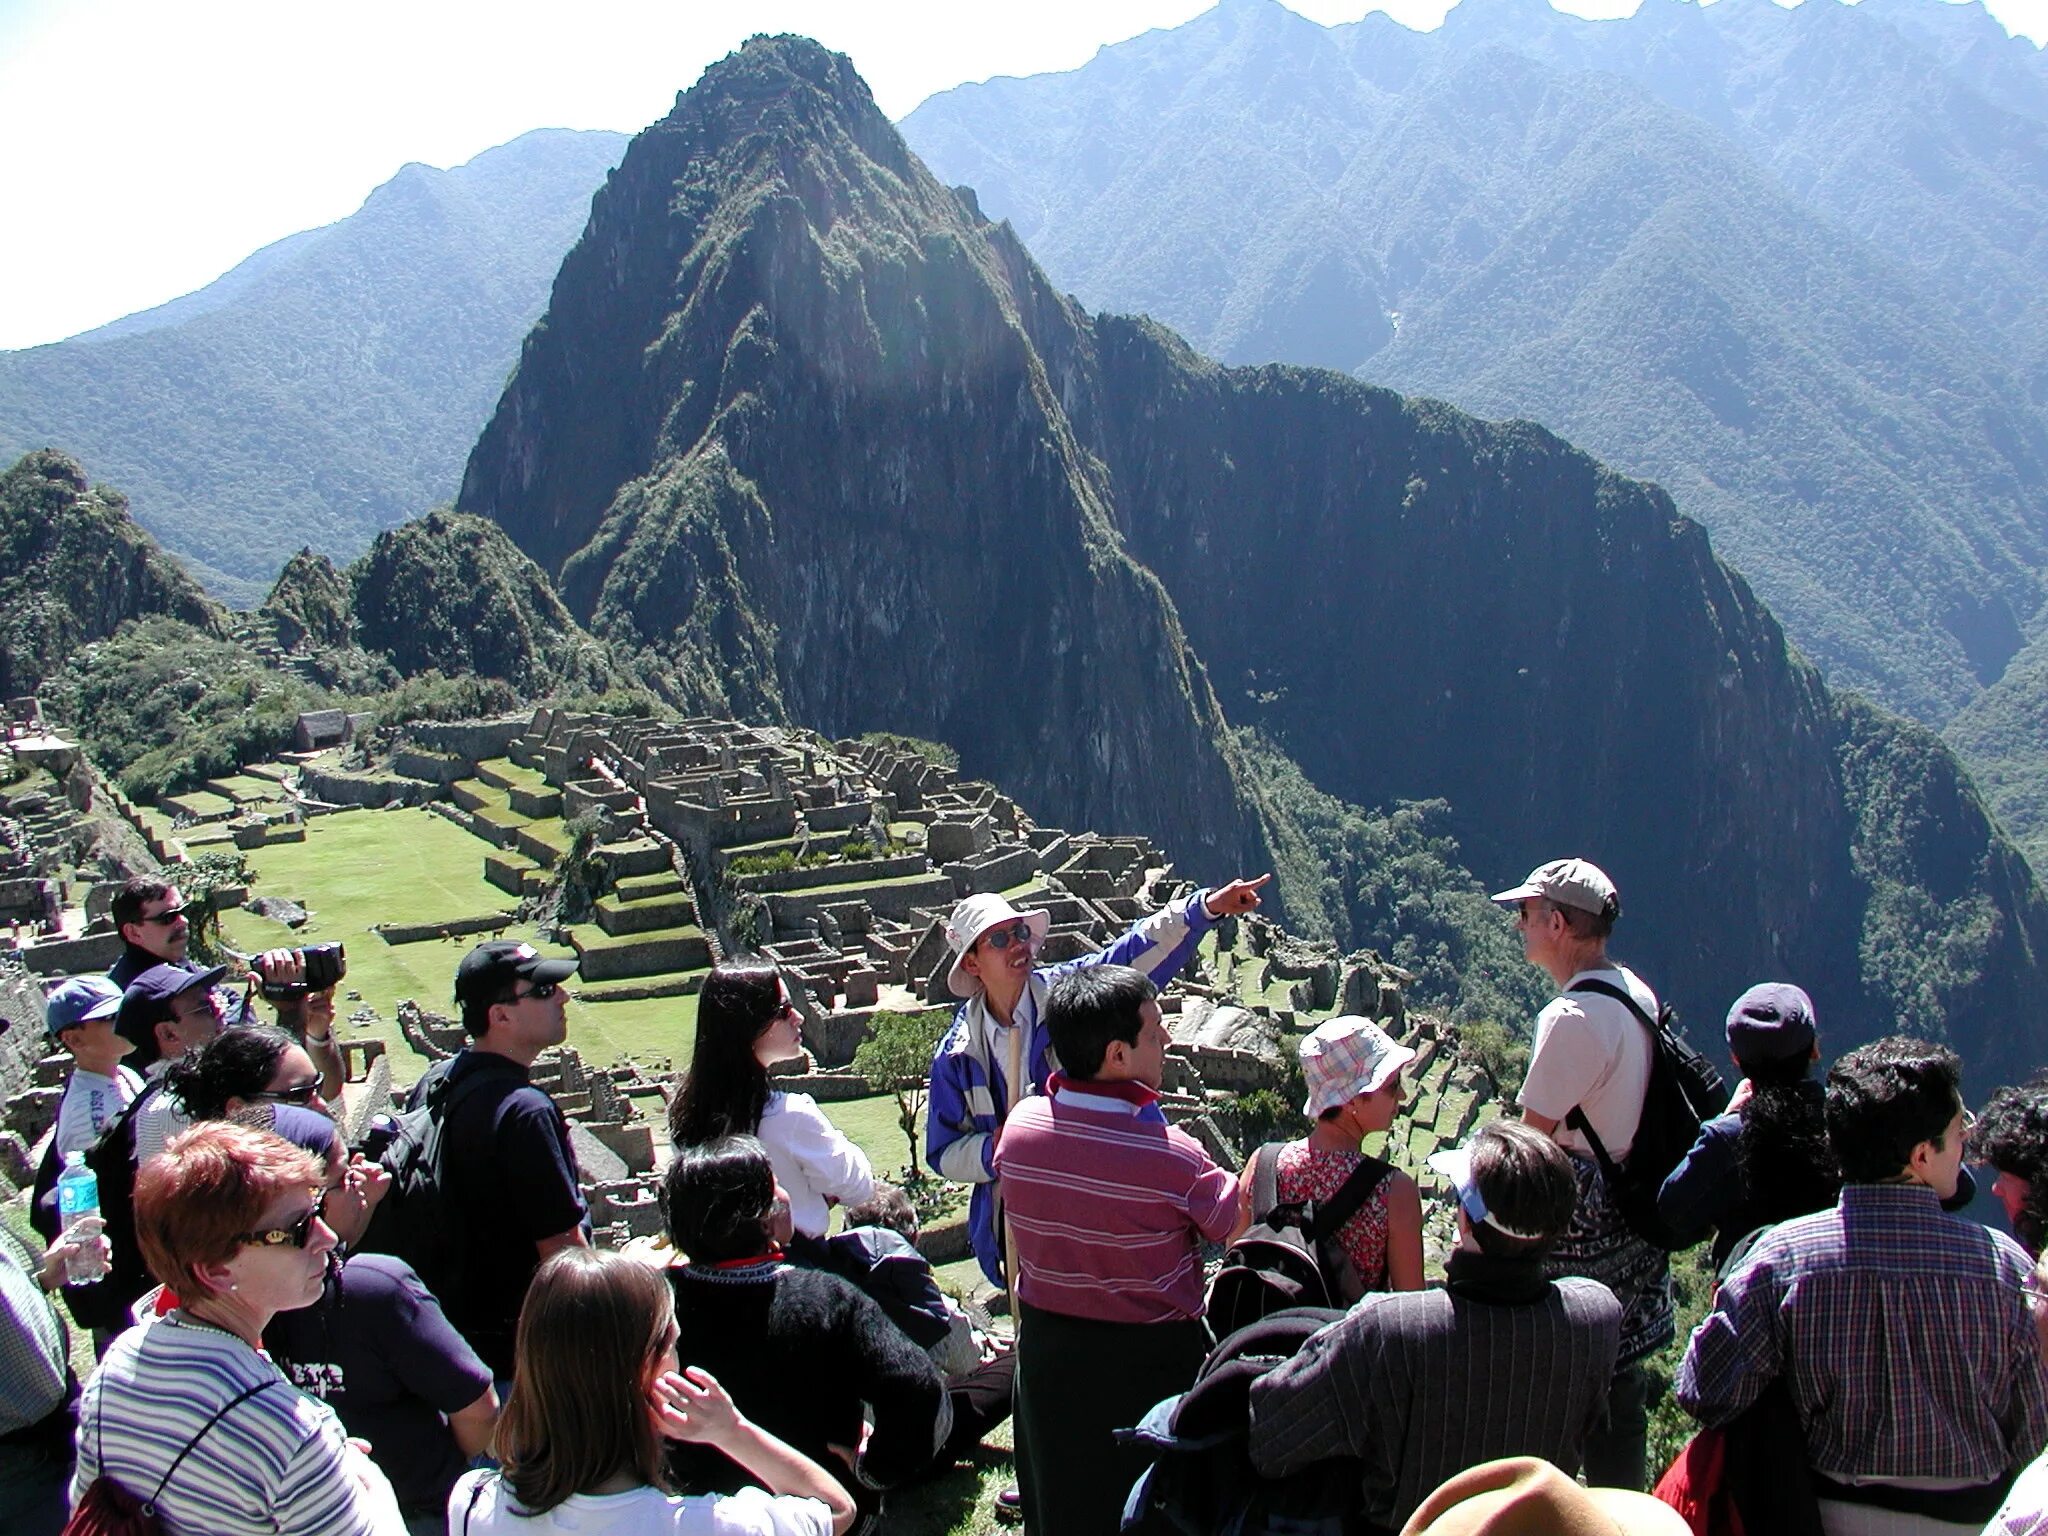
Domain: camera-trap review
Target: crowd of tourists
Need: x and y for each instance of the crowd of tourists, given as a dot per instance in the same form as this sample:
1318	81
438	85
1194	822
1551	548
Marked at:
297	1335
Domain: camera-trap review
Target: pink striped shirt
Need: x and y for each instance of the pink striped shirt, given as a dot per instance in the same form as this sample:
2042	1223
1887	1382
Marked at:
1107	1204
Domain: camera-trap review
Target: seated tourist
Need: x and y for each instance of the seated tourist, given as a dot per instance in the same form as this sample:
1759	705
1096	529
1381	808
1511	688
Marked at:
1416	1386
1353	1071
597	1394
1767	1158
185	1410
747	1022
376	1347
804	1354
877	1252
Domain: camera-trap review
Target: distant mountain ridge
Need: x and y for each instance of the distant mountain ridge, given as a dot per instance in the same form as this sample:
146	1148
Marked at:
329	386
810	431
1786	263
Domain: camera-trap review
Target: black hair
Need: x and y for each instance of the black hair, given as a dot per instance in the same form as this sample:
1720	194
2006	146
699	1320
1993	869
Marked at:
2012	1136
1778	1071
717	1197
727	1088
1786	1161
237	1063
1089	1008
1886	1098
136	894
1527	1183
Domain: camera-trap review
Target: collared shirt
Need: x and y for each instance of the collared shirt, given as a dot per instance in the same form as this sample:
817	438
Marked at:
1900	1331
1107	1203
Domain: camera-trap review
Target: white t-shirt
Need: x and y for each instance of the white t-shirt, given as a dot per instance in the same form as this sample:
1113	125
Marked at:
812	1160
1592	1053
90	1100
750	1512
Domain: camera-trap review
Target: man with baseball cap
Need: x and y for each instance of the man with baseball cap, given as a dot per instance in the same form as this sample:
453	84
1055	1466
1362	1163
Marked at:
1416	1386
1591	1060
1788	1169
998	1049
167	1011
510	1175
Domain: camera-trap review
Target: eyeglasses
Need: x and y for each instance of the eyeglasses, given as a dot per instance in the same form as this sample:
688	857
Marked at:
297	1235
298	1093
167	916
1003	938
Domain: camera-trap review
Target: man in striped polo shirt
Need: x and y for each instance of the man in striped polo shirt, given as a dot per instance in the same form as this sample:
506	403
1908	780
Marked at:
1107	1206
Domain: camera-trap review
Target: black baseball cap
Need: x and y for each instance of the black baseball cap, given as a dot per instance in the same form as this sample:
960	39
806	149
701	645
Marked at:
487	973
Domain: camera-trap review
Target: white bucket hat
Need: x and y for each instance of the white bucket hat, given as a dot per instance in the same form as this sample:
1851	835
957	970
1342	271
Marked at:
970	920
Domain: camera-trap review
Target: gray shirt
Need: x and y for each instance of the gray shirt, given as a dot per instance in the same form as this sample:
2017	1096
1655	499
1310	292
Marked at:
1418	1385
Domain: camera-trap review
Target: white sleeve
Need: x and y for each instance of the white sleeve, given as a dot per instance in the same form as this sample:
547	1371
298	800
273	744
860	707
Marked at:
834	1165
754	1512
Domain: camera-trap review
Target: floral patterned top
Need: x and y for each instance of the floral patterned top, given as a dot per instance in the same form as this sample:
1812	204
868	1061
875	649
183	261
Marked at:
1306	1173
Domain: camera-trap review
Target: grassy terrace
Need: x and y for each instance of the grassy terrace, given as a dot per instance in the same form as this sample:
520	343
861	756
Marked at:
504	771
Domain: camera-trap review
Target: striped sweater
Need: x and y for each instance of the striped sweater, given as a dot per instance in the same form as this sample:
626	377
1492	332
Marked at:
276	1462
1108	1204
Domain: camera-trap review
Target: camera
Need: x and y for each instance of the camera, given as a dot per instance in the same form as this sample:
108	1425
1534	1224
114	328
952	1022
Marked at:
323	966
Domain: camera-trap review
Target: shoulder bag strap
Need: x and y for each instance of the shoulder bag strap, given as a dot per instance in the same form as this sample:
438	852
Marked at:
1576	1119
1356	1189
99	1425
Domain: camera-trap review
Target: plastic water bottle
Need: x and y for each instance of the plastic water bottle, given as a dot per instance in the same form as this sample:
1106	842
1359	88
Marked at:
78	1200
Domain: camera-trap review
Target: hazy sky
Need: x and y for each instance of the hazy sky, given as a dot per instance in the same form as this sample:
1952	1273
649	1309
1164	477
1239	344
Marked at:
152	144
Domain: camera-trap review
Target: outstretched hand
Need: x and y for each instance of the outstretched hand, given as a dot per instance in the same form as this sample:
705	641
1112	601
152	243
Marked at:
1236	898
692	1406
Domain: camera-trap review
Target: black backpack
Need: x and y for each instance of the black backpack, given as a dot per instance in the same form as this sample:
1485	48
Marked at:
1684	1092
1202	1481
105	1302
1289	1256
413	1221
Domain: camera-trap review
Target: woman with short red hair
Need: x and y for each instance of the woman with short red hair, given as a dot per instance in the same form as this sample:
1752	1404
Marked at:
184	1412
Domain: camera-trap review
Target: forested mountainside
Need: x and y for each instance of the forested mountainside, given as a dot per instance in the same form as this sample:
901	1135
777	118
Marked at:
803	426
330	385
1784	262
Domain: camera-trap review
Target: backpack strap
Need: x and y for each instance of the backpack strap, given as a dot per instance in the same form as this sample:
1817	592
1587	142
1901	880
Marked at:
1266	1180
1356	1189
1576	1116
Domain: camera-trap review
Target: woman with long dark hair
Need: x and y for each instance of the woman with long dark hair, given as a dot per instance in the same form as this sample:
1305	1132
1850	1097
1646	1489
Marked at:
747	1022
249	1064
597	1393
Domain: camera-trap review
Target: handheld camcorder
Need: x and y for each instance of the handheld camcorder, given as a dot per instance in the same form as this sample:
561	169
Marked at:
323	965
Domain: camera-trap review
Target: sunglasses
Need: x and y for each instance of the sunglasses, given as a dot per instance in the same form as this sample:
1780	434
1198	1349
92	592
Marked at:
298	1093
540	989
167	916
1003	938
295	1236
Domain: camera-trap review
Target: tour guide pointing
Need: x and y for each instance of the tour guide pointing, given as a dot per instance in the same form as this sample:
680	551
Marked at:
998	1049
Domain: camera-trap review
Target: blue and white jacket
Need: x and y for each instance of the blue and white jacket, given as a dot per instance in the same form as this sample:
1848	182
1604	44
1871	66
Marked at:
968	1088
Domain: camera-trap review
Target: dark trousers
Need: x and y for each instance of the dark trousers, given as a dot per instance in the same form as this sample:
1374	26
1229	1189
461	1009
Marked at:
981	1401
1618	1449
1078	1381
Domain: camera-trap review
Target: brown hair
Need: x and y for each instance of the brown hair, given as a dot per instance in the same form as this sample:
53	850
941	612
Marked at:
209	1187
1526	1180
593	1328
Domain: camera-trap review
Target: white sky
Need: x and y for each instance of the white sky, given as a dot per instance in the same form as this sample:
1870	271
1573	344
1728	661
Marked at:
150	145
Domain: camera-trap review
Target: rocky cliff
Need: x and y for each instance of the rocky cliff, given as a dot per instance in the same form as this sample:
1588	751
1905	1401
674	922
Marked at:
803	426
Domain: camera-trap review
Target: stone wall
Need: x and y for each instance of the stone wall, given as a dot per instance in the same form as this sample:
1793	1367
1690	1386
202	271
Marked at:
475	740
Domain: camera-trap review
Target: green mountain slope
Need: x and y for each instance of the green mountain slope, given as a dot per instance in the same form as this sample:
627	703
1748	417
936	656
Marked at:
330	385
807	428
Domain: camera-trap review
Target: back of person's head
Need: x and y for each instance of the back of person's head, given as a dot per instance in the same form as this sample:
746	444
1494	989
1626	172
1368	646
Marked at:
592	1334
887	1207
717	1199
196	1200
134	895
727	1087
1526	1181
2012	1136
237	1063
1771	1033
1884	1099
1091	1007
